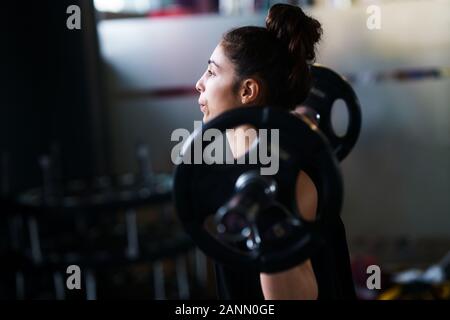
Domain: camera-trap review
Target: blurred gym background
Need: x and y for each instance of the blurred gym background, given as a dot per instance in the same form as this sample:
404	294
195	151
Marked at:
86	118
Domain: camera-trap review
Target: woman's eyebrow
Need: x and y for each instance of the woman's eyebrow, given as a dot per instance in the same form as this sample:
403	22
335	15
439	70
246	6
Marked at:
213	62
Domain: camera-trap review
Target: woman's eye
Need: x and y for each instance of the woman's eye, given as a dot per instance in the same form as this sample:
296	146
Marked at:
210	73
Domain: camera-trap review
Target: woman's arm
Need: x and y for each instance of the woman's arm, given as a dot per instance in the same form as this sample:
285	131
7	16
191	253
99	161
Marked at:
298	282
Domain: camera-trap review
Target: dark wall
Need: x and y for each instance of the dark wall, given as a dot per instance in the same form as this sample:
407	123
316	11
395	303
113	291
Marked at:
51	97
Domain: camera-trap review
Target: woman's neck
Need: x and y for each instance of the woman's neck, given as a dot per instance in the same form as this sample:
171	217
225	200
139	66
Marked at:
241	139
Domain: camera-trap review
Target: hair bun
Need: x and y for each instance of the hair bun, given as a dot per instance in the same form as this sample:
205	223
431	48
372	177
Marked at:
299	33
295	29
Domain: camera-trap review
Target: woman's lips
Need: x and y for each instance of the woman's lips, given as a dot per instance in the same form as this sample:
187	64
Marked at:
202	107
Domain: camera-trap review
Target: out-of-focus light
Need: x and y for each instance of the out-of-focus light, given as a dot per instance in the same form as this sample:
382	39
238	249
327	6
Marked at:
109	5
343	4
142	5
236	7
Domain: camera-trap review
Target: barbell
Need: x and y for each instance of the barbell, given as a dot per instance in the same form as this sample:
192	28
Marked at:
244	219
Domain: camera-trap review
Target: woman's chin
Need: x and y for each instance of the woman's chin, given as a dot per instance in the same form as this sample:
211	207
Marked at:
207	117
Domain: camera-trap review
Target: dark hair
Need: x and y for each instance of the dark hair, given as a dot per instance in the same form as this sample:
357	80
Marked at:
279	54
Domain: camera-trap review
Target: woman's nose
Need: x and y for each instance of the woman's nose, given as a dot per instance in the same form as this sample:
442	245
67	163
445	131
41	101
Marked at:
199	85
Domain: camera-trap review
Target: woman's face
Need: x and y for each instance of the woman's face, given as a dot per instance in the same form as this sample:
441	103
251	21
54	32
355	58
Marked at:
216	86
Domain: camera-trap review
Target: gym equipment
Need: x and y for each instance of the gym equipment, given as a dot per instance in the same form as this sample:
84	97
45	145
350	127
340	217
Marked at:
92	223
414	284
246	220
328	87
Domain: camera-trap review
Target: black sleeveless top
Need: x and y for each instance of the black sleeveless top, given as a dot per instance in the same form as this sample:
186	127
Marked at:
331	266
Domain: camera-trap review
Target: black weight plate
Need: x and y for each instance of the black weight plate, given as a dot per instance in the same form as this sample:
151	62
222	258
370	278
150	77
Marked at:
200	189
327	87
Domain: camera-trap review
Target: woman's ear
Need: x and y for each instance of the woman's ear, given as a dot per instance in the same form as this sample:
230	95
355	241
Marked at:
250	92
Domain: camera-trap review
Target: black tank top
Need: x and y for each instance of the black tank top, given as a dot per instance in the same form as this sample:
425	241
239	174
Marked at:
331	266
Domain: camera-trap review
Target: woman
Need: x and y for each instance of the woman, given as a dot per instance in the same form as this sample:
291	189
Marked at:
270	66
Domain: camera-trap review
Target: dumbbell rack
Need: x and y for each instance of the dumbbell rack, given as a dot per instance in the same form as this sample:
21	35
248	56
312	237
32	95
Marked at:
76	223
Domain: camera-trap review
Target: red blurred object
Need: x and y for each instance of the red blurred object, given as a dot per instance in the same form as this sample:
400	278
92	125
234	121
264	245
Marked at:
171	11
359	265
359	268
